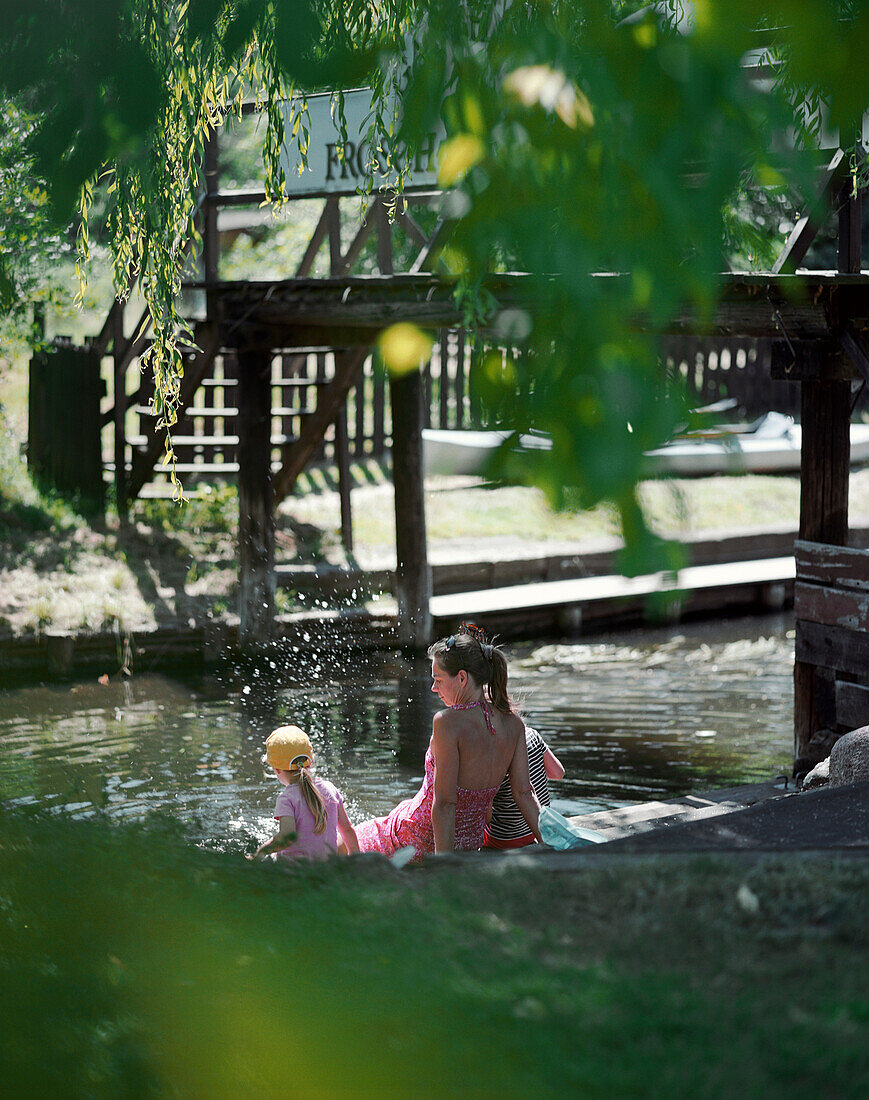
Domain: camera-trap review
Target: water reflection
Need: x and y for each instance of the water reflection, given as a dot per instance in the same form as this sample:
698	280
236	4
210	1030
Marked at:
635	717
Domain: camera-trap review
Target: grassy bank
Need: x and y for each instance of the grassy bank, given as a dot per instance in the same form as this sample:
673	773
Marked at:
135	965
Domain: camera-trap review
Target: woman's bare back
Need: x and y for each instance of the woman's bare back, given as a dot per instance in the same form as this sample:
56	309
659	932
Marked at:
484	757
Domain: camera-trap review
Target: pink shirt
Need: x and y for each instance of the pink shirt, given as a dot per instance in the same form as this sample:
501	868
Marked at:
308	844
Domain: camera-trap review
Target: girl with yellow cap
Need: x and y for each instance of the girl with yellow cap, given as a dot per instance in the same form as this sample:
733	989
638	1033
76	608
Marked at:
309	811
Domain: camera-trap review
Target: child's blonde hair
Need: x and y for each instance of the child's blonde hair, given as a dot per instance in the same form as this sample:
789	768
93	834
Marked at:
313	799
289	749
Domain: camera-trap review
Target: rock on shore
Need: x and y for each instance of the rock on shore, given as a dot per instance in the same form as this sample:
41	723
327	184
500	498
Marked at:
847	763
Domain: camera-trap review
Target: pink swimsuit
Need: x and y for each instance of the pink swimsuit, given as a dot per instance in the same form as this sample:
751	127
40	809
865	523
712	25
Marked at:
410	821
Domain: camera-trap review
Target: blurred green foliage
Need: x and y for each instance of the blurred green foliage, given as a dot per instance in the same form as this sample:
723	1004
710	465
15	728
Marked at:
580	142
135	965
30	241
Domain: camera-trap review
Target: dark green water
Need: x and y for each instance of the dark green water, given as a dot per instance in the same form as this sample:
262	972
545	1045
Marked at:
634	717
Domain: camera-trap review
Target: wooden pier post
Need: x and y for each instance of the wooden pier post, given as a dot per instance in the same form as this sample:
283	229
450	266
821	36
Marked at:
413	583
256	525
342	457
825	468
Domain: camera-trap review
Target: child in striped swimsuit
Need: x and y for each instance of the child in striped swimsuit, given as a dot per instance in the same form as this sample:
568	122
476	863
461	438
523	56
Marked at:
507	827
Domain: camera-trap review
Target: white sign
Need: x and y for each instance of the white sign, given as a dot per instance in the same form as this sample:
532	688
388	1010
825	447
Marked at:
327	171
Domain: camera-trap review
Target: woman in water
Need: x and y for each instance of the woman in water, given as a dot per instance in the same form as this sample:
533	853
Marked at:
476	740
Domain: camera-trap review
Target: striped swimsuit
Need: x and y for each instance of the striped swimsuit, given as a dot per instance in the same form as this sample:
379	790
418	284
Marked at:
508	828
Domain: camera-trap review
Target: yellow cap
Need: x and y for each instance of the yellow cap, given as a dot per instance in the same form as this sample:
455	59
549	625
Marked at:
289	749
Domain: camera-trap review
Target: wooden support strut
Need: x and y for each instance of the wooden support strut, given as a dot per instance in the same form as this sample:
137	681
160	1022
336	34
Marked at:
806	229
297	455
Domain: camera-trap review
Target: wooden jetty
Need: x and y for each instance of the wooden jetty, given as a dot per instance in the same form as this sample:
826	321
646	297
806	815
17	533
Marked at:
567	605
644	817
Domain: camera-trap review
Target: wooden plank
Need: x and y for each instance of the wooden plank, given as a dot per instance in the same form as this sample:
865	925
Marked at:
832	647
831	606
833	566
591	590
852	704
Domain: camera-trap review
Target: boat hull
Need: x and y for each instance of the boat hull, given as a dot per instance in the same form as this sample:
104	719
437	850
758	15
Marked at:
467	452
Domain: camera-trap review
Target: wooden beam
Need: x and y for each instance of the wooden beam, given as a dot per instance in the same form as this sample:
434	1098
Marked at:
317	238
210	237
333	221
413	578
786	308
256	535
825	462
825	466
342	456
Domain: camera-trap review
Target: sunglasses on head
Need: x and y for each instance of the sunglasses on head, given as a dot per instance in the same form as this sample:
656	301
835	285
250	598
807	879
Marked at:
471	629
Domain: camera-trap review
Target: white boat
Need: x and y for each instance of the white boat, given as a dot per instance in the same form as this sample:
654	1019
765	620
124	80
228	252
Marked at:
770	445
466	452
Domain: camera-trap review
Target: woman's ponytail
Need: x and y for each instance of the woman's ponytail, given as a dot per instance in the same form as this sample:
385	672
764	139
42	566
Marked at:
498	680
313	800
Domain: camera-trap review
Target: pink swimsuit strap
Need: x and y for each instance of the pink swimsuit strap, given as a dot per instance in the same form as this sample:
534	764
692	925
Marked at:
478	703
